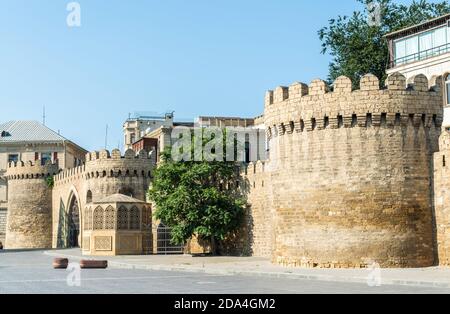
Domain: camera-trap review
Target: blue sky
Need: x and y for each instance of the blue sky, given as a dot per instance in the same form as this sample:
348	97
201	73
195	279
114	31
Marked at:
195	57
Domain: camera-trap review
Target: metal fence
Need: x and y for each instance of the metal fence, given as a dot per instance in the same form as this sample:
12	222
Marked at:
421	55
164	243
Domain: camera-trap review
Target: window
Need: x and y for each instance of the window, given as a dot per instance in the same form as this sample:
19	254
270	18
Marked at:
447	84
46	157
122	218
110	218
98	219
440	37
422	46
247	152
135	219
400	51
426	42
448	32
89	197
13	157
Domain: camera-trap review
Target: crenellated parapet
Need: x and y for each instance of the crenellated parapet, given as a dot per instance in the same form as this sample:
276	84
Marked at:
70	175
106	164
101	164
31	170
302	108
348	179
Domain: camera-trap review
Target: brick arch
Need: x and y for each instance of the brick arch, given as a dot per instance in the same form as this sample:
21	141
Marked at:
72	198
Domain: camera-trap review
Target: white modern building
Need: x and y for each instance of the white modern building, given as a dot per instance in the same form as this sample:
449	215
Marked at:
423	49
141	123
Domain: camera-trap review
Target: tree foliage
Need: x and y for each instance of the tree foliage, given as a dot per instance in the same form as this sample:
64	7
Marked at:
358	47
197	198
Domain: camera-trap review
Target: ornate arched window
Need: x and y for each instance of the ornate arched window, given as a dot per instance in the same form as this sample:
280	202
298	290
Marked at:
146	217
122	218
88	197
98	218
447	87
135	218
110	216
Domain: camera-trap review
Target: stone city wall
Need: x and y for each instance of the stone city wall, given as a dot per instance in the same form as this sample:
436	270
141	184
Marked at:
349	178
29	218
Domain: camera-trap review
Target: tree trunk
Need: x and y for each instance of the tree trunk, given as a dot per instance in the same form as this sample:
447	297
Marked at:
213	246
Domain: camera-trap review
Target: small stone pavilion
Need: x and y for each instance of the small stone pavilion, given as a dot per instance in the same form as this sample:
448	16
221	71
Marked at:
117	225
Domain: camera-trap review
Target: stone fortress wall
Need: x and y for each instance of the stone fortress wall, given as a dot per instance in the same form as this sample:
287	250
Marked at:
39	209
3	215
442	198
103	174
349	178
29	205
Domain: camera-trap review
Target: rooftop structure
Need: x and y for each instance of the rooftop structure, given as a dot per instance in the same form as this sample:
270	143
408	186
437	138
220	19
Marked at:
423	49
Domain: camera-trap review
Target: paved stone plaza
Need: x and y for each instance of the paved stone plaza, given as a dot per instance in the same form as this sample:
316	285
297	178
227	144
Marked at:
31	272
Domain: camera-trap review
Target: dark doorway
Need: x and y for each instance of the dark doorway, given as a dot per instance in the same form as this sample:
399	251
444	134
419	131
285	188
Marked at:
74	224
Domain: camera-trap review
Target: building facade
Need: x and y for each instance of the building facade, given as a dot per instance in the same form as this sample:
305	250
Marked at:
140	124
32	141
252	129
423	49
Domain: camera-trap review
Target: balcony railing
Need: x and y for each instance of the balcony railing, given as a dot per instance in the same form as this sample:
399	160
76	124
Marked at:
421	55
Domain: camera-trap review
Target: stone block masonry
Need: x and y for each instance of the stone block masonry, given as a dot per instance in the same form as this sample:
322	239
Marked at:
29	205
46	215
105	173
349	178
2	225
442	198
350	181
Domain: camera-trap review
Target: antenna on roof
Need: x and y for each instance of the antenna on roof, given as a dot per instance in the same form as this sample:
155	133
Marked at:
43	115
106	137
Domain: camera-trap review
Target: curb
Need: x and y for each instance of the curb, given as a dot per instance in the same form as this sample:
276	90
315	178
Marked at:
291	276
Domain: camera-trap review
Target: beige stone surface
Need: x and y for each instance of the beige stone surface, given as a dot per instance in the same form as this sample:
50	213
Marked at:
29	205
103	174
117	225
442	198
349	177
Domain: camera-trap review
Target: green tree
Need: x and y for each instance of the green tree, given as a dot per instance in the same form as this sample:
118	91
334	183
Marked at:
50	181
197	198
358	47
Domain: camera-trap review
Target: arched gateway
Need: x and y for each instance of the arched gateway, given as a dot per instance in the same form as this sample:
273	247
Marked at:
73	223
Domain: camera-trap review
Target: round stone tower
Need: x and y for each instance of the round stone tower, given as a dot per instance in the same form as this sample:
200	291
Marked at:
111	173
29	222
350	172
103	174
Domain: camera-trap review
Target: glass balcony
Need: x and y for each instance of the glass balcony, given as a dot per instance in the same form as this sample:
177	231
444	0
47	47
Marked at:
422	55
